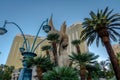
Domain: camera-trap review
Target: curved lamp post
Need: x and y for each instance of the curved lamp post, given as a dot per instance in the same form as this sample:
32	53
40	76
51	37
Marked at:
3	30
26	73
46	28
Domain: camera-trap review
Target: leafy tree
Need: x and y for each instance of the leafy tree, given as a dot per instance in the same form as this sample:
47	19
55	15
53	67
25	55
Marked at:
61	73
76	43
104	65
103	25
46	48
93	71
110	72
53	38
6	72
42	63
82	60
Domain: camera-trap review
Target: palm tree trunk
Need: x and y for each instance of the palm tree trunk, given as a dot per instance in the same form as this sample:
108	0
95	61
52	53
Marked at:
47	53
113	59
82	72
89	77
39	72
55	53
78	49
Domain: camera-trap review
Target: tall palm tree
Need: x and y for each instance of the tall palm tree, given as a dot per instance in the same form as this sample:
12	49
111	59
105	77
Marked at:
53	38
76	43
46	48
61	73
103	25
82	60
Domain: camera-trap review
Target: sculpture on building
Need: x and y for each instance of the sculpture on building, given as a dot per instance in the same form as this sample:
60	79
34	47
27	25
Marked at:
62	45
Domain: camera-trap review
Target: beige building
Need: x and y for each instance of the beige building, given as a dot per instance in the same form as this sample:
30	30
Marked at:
15	57
116	48
74	32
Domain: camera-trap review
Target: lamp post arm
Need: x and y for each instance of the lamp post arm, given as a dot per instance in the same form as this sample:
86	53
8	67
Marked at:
39	44
19	29
37	35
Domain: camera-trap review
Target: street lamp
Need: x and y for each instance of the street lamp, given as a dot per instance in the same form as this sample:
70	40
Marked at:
26	73
46	28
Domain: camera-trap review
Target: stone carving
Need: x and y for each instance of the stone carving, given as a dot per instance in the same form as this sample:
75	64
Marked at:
62	45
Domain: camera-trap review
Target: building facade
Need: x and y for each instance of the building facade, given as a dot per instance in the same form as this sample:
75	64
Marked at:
116	48
74	32
15	57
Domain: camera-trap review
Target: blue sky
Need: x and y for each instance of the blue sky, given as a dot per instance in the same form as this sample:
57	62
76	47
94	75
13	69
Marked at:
29	14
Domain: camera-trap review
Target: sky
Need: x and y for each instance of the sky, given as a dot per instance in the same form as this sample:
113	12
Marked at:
29	14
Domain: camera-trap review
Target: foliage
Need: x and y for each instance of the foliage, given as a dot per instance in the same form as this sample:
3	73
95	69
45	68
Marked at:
99	21
61	73
84	58
76	42
103	26
53	37
6	72
93	70
46	47
42	61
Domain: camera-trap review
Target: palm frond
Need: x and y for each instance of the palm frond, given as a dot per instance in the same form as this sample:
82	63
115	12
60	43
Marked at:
93	15
76	42
61	73
112	37
115	19
105	11
91	39
109	13
112	17
114	32
53	36
46	47
97	40
114	24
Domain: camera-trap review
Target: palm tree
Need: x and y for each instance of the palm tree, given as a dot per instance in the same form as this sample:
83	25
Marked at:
104	65
82	60
53	37
110	72
61	73
93	71
76	43
103	25
42	63
46	48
